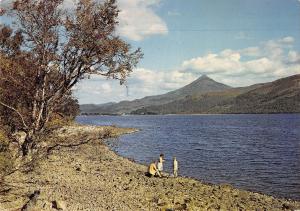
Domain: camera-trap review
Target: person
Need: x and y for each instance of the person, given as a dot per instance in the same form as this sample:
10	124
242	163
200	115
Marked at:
152	170
175	167
160	162
160	166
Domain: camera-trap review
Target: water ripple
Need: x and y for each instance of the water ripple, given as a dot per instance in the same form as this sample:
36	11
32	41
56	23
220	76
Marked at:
254	152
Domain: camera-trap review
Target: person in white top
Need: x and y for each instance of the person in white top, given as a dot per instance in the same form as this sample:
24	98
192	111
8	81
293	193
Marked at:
160	164
175	167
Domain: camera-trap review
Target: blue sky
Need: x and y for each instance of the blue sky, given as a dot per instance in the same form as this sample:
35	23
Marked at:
236	42
196	27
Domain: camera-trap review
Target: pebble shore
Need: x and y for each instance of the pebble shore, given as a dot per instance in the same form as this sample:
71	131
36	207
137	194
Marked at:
82	173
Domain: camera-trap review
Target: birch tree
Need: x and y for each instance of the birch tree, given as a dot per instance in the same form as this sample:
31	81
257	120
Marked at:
50	49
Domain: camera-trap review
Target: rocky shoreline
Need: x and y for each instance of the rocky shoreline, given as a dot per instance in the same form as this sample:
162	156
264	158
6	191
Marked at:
81	173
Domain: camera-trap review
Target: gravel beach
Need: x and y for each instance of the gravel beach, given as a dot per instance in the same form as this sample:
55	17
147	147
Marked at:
81	173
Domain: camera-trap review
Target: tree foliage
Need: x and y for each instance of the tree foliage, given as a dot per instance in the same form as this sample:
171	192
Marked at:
49	50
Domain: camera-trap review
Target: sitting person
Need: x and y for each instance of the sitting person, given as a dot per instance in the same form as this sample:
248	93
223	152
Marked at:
152	170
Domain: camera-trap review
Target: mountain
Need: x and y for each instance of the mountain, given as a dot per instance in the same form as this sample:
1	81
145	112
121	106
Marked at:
280	96
203	84
90	108
205	95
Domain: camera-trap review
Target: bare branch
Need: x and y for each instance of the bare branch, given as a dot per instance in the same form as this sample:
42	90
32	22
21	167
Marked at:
19	114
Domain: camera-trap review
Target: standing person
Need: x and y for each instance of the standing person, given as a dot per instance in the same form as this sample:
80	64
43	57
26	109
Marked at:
160	166
175	167
160	162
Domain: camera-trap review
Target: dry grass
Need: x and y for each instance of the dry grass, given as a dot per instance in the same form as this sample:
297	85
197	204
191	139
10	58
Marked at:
6	161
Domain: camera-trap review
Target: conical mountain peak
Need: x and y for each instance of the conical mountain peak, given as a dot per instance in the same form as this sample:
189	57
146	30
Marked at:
203	84
204	77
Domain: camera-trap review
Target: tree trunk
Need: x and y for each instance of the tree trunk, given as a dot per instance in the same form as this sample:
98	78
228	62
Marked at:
39	117
28	144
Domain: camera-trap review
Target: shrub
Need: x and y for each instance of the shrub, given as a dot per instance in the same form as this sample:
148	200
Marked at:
57	123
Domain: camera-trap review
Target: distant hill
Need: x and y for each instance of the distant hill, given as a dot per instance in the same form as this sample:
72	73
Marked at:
210	102
208	96
203	84
280	96
90	108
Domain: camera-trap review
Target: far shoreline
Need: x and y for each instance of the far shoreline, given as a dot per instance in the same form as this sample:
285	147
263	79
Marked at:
204	114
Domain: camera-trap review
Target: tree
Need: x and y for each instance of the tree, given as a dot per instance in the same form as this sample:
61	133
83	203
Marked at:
51	49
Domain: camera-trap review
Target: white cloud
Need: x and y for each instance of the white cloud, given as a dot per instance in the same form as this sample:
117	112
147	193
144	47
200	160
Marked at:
251	51
288	40
224	63
143	82
257	64
99	90
154	82
293	56
271	60
138	19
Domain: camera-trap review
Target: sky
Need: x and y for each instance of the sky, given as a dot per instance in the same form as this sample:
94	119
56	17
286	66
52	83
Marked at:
236	42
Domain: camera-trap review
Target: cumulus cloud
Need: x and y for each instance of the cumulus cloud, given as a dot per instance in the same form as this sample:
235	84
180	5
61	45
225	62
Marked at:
99	90
251	51
293	56
272	59
257	64
143	82
138	19
159	82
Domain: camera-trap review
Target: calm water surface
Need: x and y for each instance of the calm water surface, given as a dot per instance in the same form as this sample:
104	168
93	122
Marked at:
254	152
